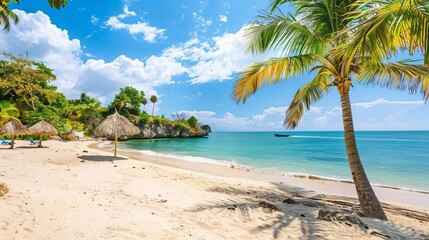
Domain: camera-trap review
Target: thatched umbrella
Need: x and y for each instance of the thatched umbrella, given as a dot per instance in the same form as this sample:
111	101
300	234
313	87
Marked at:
116	125
13	128
42	128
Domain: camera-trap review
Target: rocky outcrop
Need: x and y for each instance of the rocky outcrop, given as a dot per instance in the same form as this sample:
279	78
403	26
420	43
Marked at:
166	131
206	128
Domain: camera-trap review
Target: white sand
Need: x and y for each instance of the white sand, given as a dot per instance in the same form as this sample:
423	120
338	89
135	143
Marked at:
53	195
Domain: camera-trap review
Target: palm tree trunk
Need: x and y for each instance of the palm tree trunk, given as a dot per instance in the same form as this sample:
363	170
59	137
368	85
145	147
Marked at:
153	108
12	142
369	203
40	140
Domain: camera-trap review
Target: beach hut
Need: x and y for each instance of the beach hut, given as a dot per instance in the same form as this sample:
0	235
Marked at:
116	125
42	128
13	128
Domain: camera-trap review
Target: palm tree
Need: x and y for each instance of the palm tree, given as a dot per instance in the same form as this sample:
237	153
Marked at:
153	99
121	101
144	102
314	40
8	112
5	16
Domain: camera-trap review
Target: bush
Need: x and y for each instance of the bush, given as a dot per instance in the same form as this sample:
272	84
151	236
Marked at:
193	122
144	118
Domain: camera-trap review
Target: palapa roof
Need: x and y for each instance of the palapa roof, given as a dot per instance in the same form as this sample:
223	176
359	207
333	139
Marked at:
13	127
118	122
43	128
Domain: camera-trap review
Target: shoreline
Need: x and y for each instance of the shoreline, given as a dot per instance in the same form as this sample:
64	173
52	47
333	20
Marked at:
309	182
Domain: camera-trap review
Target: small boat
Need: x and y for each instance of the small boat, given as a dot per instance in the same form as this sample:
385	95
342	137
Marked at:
281	135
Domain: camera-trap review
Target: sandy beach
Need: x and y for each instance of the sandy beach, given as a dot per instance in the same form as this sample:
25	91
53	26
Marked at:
73	190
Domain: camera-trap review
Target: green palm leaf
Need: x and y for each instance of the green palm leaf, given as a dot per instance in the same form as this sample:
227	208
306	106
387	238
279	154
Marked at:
277	32
397	75
306	96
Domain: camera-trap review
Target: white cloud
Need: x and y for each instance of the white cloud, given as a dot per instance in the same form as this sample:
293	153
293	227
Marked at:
384	101
270	111
150	33
223	18
197	114
215	60
94	20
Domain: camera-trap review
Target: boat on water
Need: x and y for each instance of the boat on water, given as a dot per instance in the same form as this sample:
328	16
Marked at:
281	135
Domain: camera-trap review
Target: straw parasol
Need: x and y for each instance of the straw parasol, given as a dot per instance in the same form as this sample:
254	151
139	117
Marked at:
116	125
13	128
42	128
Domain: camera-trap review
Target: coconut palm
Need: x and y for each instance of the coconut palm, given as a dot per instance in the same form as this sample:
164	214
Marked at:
6	16
153	99
314	40
144	102
121	100
8	111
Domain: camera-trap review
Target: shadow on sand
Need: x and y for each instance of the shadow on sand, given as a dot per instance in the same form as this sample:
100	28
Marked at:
101	158
293	204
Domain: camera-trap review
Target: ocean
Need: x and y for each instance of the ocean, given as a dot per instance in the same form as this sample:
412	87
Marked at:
392	158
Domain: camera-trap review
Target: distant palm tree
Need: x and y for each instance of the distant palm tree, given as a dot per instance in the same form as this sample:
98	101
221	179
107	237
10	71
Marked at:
121	101
153	99
144	102
8	111
5	16
339	40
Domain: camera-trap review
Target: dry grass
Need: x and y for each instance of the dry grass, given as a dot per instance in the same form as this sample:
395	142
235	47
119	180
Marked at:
3	189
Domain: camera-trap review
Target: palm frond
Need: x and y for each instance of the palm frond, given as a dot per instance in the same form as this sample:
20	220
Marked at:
6	16
285	33
306	96
272	71
397	75
380	28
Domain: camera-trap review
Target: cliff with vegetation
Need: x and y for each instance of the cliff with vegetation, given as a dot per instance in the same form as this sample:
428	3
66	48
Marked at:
167	131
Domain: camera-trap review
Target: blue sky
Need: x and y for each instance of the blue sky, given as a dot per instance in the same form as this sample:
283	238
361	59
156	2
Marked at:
189	54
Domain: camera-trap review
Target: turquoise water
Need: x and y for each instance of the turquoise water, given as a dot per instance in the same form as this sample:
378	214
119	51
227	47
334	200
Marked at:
399	158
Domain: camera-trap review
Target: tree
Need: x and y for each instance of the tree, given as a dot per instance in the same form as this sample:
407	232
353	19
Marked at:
153	99
121	100
144	102
8	112
179	116
193	122
26	83
322	37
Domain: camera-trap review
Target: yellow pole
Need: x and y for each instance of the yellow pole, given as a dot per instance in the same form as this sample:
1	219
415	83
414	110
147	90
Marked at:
116	143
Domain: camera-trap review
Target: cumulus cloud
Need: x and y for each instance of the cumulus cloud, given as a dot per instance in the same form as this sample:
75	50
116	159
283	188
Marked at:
150	33
270	111
215	60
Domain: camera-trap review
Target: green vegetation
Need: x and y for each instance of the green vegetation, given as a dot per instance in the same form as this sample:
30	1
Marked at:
339	41
27	95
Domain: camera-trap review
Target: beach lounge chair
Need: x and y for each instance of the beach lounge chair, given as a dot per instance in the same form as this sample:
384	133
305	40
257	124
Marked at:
32	142
4	141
